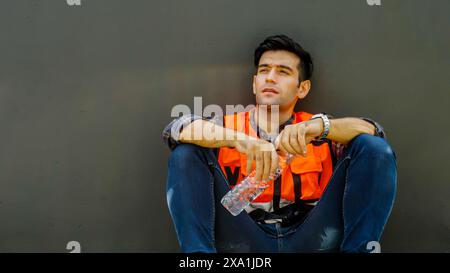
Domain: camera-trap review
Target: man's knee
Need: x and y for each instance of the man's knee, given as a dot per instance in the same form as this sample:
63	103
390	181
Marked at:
373	146
184	155
182	165
377	165
183	151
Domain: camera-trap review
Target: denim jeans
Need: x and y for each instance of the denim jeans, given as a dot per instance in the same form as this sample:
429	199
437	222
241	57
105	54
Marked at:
352	211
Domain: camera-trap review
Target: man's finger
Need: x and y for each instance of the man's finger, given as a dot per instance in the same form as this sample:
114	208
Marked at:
277	141
285	143
293	141
249	162
259	166
267	165
274	163
302	141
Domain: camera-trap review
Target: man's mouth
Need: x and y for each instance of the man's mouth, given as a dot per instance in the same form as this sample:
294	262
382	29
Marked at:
270	90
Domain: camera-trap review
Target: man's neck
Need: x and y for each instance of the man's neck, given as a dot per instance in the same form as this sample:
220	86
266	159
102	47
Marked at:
266	118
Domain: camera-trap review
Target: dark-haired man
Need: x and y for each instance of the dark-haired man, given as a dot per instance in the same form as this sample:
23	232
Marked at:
336	194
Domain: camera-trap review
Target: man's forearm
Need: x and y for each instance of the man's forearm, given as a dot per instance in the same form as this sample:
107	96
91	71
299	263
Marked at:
343	130
209	135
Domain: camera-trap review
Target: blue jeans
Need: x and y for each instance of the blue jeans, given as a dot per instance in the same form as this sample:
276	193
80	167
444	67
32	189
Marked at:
352	211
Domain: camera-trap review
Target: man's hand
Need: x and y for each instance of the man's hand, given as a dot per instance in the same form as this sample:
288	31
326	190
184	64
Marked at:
294	138
263	152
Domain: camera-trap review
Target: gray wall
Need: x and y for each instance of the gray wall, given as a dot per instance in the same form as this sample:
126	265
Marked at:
85	92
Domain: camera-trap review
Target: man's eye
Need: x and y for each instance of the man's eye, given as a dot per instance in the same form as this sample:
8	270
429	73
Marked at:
262	70
284	72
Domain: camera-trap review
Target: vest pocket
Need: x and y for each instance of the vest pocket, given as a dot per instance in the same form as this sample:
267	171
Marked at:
309	170
311	163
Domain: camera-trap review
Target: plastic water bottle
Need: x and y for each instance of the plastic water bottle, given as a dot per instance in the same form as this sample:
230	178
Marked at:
238	198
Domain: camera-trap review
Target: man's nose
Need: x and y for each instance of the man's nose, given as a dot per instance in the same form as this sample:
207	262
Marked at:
271	76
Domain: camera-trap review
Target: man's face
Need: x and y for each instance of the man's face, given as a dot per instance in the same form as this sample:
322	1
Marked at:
277	80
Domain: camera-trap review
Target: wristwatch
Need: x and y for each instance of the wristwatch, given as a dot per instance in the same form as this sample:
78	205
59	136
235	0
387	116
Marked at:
326	125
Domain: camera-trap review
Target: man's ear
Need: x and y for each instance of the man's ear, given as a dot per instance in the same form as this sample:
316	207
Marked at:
254	84
303	89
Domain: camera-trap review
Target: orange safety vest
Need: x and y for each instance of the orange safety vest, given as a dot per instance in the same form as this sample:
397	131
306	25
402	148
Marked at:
305	178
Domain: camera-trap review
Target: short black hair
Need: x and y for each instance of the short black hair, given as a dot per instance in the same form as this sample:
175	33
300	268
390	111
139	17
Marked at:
283	42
